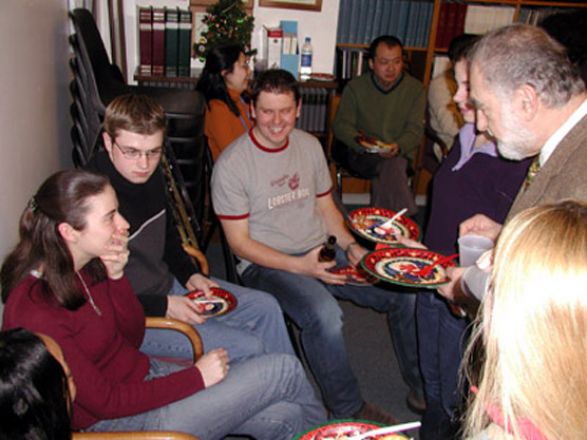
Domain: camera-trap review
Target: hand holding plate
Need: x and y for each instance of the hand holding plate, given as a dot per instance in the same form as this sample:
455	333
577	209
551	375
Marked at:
183	309
309	265
199	282
452	290
355	254
391	150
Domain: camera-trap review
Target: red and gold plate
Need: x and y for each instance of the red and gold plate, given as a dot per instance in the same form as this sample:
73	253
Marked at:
355	276
363	222
344	429
401	266
218	303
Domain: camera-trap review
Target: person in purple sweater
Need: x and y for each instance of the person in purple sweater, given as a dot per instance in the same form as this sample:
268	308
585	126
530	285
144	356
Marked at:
472	179
65	278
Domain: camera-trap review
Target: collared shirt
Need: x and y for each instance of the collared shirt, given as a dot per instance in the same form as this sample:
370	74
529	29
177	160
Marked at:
386	90
562	131
467	136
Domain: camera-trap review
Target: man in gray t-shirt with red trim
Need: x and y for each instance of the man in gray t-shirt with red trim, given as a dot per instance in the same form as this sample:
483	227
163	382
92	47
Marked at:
271	190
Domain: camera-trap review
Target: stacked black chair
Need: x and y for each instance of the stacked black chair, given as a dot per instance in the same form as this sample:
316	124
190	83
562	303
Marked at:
97	82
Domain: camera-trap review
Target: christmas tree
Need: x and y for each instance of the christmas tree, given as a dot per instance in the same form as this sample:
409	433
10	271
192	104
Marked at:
227	21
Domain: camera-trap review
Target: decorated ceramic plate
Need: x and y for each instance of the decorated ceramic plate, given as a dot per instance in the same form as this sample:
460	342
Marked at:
401	266
364	222
219	303
322	77
355	276
344	429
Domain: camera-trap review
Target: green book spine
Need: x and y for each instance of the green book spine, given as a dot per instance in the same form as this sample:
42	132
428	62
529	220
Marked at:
171	41
185	42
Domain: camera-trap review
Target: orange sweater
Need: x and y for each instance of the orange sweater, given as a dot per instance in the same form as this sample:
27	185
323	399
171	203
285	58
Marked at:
222	126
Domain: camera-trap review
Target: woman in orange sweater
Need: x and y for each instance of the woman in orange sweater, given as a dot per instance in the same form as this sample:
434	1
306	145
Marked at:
223	83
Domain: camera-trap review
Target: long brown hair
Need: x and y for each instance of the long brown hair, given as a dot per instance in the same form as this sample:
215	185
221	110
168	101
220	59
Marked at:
60	199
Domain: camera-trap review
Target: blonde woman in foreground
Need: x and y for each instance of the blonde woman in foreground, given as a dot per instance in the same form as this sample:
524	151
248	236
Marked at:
533	330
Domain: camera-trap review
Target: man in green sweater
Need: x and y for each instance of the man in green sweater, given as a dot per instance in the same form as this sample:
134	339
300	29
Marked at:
380	123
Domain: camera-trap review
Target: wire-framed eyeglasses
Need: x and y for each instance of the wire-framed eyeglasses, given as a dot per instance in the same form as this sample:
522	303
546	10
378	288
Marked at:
135	154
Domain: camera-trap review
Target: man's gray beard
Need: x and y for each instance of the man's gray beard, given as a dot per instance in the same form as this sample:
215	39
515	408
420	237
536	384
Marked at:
520	139
510	151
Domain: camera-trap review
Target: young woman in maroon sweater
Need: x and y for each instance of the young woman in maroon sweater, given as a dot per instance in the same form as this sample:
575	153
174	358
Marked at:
66	279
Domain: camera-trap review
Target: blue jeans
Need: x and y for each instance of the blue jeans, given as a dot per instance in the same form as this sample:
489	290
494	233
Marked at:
312	305
254	327
441	336
267	397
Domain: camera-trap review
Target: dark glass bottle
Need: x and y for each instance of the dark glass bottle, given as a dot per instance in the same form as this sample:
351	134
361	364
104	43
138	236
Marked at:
328	251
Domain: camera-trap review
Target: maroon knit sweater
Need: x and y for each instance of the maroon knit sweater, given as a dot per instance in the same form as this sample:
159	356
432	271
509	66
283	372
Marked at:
101	351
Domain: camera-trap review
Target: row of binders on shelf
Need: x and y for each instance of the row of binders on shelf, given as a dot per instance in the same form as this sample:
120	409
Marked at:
350	62
535	16
361	21
281	49
165	41
456	17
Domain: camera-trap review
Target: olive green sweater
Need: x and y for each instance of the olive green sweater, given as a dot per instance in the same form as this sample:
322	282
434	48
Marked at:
395	116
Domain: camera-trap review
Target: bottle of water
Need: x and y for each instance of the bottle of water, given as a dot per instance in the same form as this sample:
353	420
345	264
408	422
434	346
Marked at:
306	63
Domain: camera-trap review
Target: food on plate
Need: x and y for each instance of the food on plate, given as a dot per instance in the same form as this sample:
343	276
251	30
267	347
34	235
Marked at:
218	303
366	223
371	142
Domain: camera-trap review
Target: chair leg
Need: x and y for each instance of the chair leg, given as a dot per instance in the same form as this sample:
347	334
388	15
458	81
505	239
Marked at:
339	182
229	259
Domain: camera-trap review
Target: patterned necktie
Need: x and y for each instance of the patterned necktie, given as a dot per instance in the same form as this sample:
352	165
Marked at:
532	171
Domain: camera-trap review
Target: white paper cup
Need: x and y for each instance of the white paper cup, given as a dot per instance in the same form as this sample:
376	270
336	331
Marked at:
471	247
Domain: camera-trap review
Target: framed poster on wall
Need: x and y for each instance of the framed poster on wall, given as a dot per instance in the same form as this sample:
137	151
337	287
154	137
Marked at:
308	5
248	3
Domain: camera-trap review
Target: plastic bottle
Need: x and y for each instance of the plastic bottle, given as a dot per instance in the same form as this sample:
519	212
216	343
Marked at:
306	63
328	251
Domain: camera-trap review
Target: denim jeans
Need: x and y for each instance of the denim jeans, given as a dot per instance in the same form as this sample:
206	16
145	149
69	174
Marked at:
267	397
254	327
312	305
441	336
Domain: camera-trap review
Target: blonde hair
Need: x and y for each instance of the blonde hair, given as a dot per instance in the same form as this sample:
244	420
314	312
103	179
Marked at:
533	326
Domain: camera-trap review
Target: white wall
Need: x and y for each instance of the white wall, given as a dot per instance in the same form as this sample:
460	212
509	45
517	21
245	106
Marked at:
320	26
34	110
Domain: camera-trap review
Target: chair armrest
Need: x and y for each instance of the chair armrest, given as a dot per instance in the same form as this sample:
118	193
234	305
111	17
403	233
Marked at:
199	256
173	324
127	435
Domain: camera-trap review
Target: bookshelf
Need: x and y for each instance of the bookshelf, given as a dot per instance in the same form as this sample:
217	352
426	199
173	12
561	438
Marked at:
522	12
420	57
418	24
